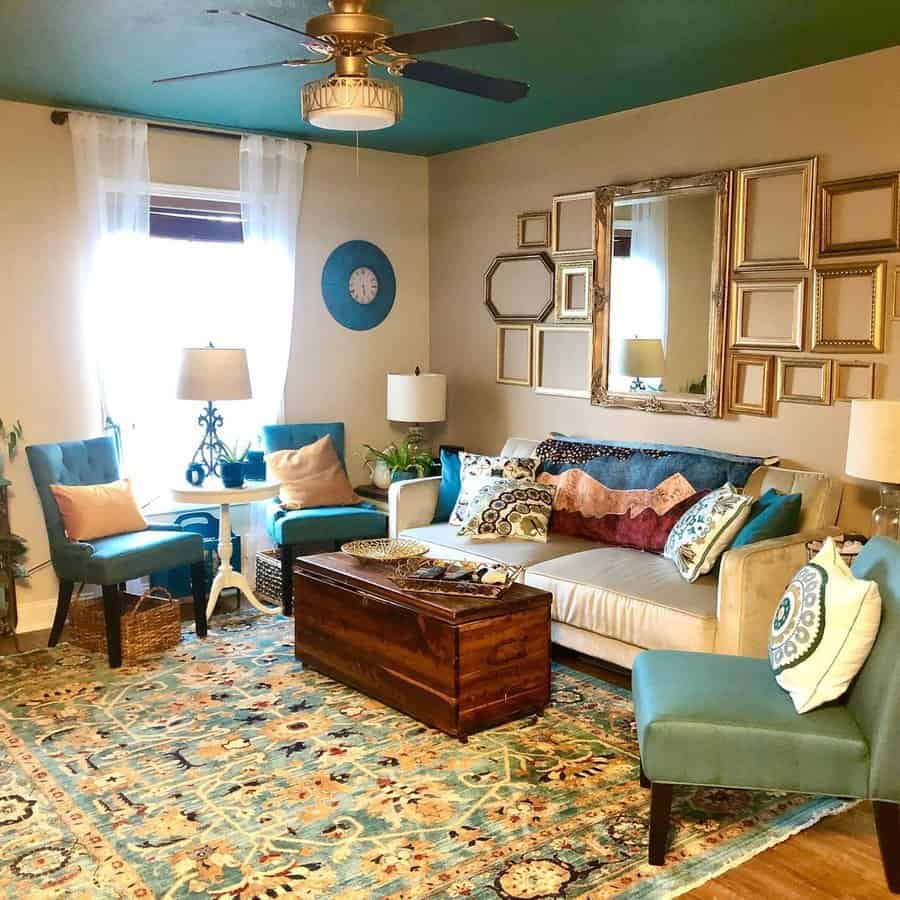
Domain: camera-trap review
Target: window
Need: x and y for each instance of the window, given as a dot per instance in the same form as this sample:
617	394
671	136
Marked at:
189	284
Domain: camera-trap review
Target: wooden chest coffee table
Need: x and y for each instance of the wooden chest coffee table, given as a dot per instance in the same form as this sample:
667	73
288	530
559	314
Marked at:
459	664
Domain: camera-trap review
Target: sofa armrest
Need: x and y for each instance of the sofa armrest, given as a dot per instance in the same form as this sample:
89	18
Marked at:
412	503
751	581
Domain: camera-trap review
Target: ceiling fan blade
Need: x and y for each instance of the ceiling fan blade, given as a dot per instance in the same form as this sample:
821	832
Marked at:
468	82
272	65
470	33
313	43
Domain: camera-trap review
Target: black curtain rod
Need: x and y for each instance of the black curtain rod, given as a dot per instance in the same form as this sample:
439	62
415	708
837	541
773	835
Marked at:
61	116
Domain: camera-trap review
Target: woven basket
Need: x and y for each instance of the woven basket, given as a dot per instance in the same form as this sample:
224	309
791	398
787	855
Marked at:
151	623
268	576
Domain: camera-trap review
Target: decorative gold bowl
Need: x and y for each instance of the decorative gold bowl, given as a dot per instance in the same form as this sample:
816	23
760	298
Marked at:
385	549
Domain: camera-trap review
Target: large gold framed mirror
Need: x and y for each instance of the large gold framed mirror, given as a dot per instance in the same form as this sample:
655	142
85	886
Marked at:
659	312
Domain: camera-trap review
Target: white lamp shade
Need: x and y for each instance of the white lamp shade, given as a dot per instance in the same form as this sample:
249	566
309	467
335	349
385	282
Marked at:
872	447
643	358
214	373
417	398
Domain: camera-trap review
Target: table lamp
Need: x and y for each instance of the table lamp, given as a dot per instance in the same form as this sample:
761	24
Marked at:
642	358
872	454
417	399
208	374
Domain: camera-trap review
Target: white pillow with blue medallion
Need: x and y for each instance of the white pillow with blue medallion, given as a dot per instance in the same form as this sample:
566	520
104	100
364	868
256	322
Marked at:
823	630
706	530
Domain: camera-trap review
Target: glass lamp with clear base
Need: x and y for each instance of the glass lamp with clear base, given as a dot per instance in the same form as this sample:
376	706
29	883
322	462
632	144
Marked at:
886	517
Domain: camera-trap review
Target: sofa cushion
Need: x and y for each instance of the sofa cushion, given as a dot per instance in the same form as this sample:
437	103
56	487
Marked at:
821	493
722	720
635	597
476	471
446	543
510	510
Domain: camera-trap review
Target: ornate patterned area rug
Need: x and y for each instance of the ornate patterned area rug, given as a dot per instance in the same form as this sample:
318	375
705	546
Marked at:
224	769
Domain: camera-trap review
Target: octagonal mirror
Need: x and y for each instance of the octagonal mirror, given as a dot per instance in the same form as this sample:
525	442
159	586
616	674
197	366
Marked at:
518	287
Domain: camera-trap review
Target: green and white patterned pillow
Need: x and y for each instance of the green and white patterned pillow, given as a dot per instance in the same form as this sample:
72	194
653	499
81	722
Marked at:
823	629
510	509
476	471
706	530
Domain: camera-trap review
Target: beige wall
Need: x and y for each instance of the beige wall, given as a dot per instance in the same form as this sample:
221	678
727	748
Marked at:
334	373
847	112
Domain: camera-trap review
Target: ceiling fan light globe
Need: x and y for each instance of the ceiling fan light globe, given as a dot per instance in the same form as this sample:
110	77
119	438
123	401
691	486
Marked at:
351	103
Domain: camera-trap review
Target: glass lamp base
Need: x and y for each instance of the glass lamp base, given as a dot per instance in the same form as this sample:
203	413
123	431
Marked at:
886	517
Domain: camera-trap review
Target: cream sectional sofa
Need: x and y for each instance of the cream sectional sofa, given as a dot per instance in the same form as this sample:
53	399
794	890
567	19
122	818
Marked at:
611	602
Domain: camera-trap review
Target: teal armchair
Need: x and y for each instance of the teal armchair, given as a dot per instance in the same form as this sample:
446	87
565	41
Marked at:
290	529
108	561
723	721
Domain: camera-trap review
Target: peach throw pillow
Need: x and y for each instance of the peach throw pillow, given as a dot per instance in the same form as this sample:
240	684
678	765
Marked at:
98	510
311	476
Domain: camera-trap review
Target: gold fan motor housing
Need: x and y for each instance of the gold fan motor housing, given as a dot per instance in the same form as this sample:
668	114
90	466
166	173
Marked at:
353	31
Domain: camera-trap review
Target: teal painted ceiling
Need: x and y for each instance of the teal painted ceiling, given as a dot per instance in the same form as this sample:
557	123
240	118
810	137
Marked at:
584	58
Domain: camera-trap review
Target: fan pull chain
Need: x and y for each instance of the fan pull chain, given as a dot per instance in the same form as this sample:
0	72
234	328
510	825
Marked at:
357	154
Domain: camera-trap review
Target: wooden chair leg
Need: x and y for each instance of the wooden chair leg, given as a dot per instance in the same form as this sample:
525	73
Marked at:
645	781
660	811
198	589
112	612
887	824
62	611
288	555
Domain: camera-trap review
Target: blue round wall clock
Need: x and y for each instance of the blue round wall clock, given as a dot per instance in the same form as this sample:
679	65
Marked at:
358	285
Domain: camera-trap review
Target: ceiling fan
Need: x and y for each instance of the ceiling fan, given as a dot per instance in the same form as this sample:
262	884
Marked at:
353	39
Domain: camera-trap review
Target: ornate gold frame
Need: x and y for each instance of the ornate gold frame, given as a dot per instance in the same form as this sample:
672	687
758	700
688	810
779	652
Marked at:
501	354
895	302
496	262
803	259
787	362
875	343
710	404
795	284
827	191
565	268
750	359
555	213
538	352
852	364
521	225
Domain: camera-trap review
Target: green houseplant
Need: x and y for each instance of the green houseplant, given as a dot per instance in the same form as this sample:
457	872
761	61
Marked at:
401	460
12	547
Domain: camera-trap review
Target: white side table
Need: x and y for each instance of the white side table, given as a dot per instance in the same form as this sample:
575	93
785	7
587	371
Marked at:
212	492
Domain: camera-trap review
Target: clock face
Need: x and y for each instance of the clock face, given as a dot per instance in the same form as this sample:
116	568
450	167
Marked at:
363	285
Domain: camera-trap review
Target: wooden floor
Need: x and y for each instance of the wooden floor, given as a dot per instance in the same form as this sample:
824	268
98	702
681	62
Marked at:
837	858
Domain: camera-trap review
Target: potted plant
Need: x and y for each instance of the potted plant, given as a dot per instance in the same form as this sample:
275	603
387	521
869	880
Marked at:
12	547
400	460
231	465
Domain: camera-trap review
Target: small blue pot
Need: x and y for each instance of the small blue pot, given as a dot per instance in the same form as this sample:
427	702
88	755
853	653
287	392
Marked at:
232	473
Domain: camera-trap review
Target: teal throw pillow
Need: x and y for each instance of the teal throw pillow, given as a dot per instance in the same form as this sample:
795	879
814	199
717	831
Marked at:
772	515
449	489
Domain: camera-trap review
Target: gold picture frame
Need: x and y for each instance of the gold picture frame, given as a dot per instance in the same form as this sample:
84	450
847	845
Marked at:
737	402
865	369
759	215
742	290
873	293
832	191
785	393
542	385
586	244
527	297
502	377
574	290
525	224
895	302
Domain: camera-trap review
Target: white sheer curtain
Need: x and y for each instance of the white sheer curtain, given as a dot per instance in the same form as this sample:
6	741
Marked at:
112	173
640	281
271	193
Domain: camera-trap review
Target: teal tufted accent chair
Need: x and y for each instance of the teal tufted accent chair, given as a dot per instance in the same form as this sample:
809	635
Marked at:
723	721
108	561
290	529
